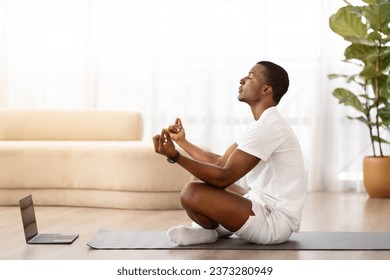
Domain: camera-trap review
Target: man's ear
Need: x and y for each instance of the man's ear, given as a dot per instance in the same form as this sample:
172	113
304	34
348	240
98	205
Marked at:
266	90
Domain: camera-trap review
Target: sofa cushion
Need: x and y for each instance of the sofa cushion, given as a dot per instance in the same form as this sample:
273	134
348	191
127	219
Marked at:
98	165
86	125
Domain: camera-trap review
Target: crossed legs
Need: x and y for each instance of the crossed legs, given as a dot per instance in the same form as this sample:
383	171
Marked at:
217	211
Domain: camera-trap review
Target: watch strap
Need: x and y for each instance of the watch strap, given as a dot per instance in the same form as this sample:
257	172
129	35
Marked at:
174	158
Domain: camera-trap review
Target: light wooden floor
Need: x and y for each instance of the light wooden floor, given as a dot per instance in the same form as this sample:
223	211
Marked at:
323	212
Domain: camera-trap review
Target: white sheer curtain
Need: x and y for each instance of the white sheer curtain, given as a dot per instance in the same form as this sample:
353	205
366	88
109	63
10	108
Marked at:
169	58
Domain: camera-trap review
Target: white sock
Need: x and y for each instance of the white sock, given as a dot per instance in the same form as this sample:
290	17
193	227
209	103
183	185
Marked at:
184	235
221	231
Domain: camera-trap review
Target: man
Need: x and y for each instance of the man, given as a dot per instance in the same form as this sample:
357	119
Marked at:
268	155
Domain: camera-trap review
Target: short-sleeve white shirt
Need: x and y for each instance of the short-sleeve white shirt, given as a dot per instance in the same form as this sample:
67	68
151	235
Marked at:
279	179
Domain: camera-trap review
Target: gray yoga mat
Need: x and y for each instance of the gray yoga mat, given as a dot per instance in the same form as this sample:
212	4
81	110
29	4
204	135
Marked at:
158	240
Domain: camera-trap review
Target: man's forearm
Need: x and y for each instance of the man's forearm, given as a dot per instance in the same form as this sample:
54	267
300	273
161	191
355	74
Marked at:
209	173
198	153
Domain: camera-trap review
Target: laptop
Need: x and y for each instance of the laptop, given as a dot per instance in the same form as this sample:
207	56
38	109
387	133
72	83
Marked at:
31	229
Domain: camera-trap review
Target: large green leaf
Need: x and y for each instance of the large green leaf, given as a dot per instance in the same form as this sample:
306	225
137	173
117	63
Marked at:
379	139
386	30
362	41
348	79
369	71
361	118
377	16
347	24
371	13
361	52
384	113
375	36
388	84
385	60
347	98
384	87
375	1
384	14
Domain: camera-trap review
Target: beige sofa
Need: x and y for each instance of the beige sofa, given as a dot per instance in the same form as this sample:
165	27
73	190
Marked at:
91	158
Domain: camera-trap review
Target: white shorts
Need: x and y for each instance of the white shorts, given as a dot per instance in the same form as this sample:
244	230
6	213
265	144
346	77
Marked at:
267	226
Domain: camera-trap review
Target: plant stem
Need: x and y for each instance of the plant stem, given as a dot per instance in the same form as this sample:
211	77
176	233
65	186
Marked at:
372	140
377	99
369	121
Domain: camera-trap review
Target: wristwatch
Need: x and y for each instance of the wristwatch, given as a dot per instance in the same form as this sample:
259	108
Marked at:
174	158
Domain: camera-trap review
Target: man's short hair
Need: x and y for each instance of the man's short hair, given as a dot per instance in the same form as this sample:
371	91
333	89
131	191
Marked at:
277	78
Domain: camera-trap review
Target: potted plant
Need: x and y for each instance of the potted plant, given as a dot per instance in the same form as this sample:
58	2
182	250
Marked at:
367	29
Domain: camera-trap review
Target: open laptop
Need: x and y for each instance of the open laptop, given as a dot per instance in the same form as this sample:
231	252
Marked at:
31	229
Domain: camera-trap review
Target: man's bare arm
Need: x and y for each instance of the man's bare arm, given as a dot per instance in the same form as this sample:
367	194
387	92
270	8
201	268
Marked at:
205	156
177	134
237	165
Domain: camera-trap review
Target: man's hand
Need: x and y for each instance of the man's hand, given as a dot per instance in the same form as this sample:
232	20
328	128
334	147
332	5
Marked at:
177	131
163	144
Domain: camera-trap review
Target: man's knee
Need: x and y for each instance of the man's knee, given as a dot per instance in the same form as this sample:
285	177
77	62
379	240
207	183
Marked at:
190	194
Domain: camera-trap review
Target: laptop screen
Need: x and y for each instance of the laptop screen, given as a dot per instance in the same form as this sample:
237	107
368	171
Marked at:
28	217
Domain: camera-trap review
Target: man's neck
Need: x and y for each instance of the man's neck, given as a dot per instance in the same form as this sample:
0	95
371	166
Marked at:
258	110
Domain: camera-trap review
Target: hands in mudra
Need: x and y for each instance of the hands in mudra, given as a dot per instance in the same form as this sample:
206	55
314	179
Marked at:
163	143
176	131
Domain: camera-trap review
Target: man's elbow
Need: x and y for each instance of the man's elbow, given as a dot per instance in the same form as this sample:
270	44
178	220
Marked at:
223	182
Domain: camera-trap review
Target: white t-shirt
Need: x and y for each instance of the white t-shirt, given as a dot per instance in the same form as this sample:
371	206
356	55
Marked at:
278	180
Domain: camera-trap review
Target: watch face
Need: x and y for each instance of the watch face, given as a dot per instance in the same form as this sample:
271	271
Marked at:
174	158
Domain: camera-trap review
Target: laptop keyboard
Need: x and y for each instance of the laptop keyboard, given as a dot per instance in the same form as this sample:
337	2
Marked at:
45	237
